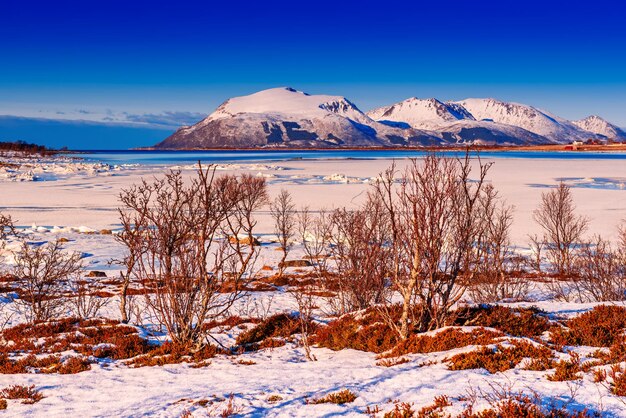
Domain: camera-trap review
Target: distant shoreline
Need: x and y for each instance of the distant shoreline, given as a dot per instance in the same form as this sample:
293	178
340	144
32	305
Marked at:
490	148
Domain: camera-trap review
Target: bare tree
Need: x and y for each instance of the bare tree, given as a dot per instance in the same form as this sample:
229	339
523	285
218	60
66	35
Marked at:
283	213
496	268
196	246
43	273
433	215
562	227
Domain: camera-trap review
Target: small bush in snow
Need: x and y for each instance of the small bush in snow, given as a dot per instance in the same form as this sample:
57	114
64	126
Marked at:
28	394
339	398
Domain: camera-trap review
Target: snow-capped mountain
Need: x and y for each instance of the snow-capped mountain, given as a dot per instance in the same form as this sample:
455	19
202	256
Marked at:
284	117
525	117
453	122
287	117
600	126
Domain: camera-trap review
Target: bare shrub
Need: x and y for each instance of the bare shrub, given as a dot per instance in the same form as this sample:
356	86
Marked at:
306	305
6	226
434	218
43	273
562	227
363	258
315	231
537	246
600	272
622	239
84	303
496	264
130	237
196	245
283	213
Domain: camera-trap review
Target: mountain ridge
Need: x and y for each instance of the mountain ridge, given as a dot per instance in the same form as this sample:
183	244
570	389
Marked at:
286	117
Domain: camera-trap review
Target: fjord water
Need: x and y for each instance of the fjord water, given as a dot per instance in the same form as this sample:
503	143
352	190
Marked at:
229	156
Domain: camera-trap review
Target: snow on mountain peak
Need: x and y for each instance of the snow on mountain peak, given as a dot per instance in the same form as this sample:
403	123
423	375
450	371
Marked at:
287	101
595	124
421	113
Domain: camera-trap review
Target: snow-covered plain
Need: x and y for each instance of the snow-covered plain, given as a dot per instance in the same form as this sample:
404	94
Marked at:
74	204
89	197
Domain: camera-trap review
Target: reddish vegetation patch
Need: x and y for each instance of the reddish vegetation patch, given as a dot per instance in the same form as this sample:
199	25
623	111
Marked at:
37	347
522	322
368	331
618	377
601	327
339	398
499	358
502	405
170	353
447	339
268	333
365	331
567	370
28	394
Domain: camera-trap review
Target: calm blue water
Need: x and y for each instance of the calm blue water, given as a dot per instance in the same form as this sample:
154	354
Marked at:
186	157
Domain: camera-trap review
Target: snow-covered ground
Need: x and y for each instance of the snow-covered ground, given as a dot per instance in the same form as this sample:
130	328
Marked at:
77	204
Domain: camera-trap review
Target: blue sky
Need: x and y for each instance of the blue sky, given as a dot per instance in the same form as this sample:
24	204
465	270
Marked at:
102	61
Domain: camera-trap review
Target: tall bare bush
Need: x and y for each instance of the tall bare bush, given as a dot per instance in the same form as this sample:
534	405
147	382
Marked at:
6	226
497	266
315	231
600	272
283	213
133	222
359	246
196	246
305	303
434	220
43	273
563	229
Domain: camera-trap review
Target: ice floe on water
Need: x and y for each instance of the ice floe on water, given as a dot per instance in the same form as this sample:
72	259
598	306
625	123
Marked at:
35	168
